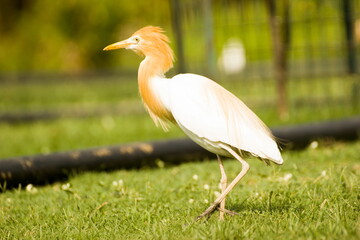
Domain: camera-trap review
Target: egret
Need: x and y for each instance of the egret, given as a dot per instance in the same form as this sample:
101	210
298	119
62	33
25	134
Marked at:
210	115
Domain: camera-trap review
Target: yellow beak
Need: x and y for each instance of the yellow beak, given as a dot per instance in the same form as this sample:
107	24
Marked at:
122	44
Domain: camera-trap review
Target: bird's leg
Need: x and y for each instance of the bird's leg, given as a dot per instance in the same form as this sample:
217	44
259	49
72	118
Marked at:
223	182
219	199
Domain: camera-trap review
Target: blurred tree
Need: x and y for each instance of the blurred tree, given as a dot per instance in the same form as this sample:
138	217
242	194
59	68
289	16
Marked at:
68	36
10	11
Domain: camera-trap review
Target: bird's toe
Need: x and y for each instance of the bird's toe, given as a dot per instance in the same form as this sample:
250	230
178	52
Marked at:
231	213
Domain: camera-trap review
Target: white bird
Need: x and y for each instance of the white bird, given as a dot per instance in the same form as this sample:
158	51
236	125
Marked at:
209	114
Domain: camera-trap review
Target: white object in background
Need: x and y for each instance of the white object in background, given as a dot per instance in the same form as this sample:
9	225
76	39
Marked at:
232	59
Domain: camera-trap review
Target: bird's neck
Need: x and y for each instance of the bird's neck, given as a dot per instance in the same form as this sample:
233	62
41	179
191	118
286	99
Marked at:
151	68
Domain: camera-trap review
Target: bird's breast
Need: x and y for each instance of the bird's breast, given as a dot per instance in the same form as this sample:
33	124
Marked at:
154	93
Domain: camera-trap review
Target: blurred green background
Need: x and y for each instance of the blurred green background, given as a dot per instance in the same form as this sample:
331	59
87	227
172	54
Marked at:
59	90
68	36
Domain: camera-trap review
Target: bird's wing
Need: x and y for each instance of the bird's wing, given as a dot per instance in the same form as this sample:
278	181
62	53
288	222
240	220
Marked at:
209	111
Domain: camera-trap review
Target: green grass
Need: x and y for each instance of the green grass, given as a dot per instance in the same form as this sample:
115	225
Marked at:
65	93
65	134
319	201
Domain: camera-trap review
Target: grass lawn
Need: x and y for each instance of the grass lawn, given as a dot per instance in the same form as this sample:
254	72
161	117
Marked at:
314	195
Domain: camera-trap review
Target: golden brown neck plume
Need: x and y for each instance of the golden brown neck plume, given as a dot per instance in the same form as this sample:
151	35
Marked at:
158	60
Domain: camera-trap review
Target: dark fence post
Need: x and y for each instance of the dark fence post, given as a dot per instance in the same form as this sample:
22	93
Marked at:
279	26
177	29
349	34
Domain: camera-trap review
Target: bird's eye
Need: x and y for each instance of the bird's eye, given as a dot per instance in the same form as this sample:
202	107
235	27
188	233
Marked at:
137	40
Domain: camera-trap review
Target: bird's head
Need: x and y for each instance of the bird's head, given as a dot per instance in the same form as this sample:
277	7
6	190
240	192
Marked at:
148	41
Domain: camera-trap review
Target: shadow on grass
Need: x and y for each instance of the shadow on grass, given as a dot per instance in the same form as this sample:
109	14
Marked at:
265	206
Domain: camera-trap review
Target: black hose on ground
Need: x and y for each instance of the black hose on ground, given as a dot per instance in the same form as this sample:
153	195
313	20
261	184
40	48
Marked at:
42	169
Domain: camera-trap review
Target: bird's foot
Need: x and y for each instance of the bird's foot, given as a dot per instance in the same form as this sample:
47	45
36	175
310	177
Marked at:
208	211
231	213
211	209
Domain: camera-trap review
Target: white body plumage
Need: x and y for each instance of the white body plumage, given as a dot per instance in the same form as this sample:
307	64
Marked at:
209	114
